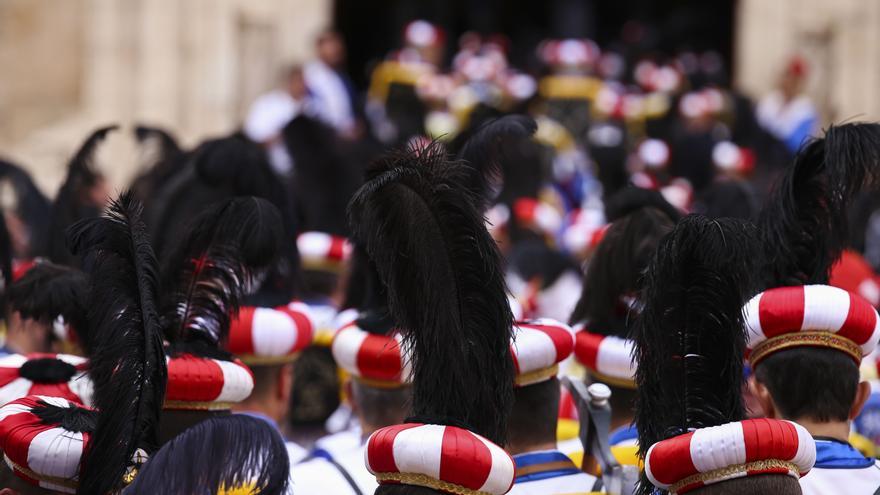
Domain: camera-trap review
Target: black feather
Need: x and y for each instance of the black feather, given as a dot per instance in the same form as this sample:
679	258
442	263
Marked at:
74	419
445	287
222	258
690	337
631	199
616	268
71	203
127	365
485	150
804	224
221	452
167	143
47	291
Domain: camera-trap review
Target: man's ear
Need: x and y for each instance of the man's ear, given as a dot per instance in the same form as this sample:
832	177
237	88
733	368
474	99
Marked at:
762	398
863	392
285	382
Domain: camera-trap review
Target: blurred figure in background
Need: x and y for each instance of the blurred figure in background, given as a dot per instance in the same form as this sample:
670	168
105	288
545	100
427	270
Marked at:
787	112
271	112
335	101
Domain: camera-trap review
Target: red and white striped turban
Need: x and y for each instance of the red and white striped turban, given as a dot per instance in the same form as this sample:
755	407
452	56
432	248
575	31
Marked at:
198	383
373	359
270	336
537	348
321	251
810	316
734	450
14	384
608	358
538	215
445	458
41	453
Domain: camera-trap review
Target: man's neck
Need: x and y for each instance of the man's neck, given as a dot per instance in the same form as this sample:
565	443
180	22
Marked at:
838	430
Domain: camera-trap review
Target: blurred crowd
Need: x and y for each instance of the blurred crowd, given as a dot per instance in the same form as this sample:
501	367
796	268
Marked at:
344	272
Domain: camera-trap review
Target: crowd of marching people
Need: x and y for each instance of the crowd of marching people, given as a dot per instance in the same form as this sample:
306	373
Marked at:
616	275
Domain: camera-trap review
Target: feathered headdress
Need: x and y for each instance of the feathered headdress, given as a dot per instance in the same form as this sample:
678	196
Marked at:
326	178
445	287
233	454
48	291
690	338
485	152
127	364
640	218
804	223
224	256
69	205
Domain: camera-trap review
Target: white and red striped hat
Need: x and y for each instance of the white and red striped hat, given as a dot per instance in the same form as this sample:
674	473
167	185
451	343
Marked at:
198	383
445	458
371	358
270	335
537	348
41	453
421	34
734	450
608	358
538	215
570	52
19	377
322	251
810	316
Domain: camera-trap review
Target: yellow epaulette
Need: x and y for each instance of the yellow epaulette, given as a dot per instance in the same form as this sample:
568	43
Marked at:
627	455
863	445
567	87
393	72
246	489
553	134
323	337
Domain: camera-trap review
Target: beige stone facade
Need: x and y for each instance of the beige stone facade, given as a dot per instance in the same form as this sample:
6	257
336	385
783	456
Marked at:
840	39
189	65
194	65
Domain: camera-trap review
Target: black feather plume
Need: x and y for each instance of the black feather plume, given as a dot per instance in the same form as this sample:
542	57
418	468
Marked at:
127	364
690	338
167	144
804	223
47	291
228	452
227	250
616	268
631	199
445	287
484	151
70	203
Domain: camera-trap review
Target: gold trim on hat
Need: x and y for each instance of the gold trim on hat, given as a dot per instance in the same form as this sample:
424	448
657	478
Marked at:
185	405
537	376
256	360
427	481
728	472
372	382
65	482
805	339
614	381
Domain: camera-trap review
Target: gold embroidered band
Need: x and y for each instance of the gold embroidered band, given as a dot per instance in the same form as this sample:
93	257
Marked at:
805	339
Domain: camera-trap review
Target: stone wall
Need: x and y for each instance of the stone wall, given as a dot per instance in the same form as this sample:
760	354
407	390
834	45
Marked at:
840	39
191	66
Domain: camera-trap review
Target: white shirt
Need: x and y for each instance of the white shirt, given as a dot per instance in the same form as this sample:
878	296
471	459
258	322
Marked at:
332	103
841	469
549	472
318	476
269	114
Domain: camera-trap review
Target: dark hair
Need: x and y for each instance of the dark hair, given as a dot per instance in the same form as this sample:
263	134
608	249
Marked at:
405	490
777	484
381	406
810	383
534	415
617	267
315	392
318	283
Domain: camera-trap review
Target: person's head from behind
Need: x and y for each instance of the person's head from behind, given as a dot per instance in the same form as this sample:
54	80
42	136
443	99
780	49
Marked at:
777	484
378	407
532	423
272	387
809	385
294	83
330	48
